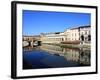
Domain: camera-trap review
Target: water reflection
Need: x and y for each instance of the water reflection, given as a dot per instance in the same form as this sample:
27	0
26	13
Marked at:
51	56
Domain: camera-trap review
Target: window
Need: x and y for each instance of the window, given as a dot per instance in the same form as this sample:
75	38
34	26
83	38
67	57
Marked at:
82	37
89	32
89	37
75	34
85	32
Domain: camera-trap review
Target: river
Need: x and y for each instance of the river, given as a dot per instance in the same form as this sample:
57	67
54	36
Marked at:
51	56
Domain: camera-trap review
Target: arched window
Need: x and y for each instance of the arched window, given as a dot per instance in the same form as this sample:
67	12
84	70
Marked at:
82	37
89	37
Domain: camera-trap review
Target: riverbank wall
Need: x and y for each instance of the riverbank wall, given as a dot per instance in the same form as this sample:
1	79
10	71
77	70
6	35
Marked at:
71	45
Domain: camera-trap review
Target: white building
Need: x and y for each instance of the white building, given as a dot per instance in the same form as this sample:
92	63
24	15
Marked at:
72	34
79	34
85	33
56	37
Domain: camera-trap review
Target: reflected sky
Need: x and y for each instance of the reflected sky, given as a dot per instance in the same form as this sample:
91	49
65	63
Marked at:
50	56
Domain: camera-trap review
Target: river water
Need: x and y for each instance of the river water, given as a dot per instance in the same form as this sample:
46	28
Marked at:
50	56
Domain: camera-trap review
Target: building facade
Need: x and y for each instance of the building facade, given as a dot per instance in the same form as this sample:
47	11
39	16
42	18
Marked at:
81	34
85	33
53	37
72	34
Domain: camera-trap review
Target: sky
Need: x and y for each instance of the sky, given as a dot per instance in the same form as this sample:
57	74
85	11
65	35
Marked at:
37	22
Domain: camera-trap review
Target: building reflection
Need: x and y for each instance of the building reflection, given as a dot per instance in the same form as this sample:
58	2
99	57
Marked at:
81	55
85	56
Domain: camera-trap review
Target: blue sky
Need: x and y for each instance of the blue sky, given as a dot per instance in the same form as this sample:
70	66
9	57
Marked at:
36	22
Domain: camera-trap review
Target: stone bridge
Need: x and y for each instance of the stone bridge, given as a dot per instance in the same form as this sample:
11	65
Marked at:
31	40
